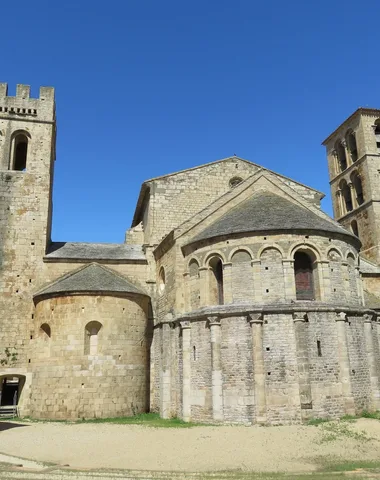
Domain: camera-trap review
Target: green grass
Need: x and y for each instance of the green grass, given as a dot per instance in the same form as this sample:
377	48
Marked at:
146	419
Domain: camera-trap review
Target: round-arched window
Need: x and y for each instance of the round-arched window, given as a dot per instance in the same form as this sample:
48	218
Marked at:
161	280
234	181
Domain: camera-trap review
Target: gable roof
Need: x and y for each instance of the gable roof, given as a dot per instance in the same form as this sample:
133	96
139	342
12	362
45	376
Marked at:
265	212
82	251
145	187
90	279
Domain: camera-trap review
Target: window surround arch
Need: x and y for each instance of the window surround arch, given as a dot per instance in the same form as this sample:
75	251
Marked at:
45	328
355	179
18	134
215	279
91	332
355	258
352	148
191	260
341	155
240	249
335	249
214	253
161	279
313	259
273	246
305	246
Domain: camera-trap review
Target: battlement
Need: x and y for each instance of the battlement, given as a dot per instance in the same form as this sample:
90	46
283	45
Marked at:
22	106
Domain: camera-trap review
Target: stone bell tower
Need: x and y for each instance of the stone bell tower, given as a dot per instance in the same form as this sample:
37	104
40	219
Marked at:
27	153
353	153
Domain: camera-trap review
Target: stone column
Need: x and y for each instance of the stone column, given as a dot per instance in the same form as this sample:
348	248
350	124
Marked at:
216	368
353	196
165	371
339	205
300	319
289	280
346	280
359	285
368	336
344	364
203	286
186	371
227	283
257	287
256	322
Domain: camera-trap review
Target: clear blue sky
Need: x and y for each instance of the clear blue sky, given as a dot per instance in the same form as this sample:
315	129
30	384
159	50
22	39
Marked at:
147	87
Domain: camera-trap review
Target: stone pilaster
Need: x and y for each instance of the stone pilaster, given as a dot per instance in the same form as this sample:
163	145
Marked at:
186	290
321	284
346	281
325	274
256	322
339	204
227	283
165	401
203	286
289	280
374	377
257	287
186	371
300	324
216	368
344	364
354	200
359	285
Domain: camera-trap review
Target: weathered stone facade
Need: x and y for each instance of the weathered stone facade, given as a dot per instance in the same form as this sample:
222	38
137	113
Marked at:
233	299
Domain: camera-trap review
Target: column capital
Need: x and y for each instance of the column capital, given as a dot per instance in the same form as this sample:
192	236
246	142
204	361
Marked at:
369	317
213	320
185	324
202	269
300	317
186	274
341	317
255	262
227	264
255	318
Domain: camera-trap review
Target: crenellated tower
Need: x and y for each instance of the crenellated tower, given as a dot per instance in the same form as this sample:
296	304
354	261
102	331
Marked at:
27	153
353	153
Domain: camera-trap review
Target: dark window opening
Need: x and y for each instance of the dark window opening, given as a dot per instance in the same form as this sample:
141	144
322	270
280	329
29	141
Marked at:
46	328
319	348
357	183
217	272
351	145
303	270
341	154
20	154
346	193
377	134
354	228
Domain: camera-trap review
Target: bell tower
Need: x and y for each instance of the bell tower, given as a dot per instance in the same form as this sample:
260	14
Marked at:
353	154
27	153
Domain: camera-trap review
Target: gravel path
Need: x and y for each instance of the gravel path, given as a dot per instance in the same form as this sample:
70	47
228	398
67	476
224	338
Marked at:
287	449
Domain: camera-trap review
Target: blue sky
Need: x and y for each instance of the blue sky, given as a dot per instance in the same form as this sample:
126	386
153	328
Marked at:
147	87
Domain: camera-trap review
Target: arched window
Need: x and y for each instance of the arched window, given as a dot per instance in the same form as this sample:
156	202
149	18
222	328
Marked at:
303	271
377	134
357	183
354	228
234	181
161	279
216	281
91	338
19	152
351	145
194	284
45	328
341	156
346	194
242	277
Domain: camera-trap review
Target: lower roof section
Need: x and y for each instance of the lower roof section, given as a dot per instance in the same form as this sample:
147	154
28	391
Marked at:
89	252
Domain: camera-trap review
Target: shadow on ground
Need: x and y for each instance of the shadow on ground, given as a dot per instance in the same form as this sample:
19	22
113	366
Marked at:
9	425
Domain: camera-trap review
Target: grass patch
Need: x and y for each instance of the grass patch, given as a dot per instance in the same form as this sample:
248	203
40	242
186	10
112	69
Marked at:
147	419
338	430
351	465
317	421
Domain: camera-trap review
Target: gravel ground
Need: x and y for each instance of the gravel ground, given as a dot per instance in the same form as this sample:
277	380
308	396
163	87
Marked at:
286	449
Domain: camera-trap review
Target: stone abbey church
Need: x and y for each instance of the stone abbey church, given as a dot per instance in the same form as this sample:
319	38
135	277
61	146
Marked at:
234	298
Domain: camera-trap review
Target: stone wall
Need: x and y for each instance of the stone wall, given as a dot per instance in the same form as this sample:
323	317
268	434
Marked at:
280	366
71	382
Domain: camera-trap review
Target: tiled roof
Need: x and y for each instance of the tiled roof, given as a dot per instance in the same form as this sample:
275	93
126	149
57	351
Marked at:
269	212
94	251
90	278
